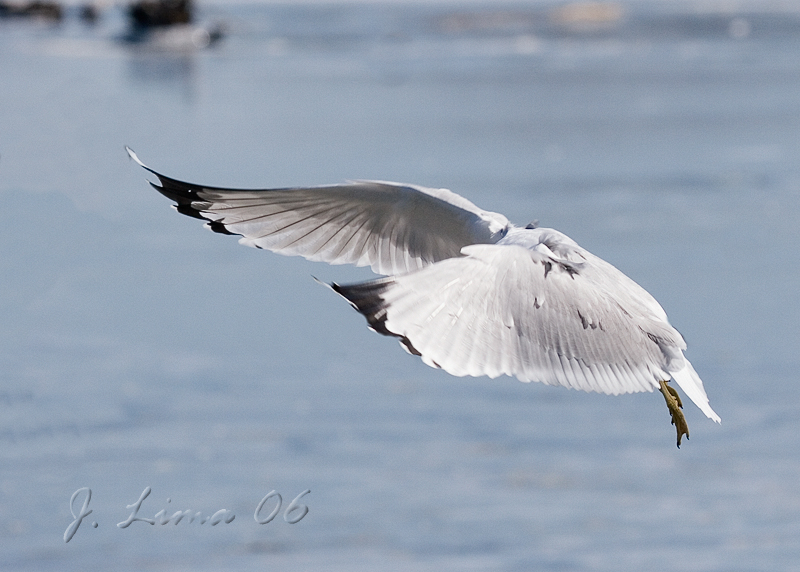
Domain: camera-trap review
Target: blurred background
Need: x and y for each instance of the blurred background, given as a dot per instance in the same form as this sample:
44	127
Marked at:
139	350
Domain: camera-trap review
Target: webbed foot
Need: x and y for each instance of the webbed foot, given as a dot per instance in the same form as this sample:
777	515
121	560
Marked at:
674	405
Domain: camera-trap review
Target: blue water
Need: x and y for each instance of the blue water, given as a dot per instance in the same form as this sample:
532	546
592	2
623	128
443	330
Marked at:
139	350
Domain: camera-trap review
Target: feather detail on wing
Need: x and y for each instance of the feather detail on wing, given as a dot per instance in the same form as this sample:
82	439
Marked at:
506	309
391	227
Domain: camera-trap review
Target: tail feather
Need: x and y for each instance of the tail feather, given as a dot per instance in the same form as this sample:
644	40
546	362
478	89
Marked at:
690	383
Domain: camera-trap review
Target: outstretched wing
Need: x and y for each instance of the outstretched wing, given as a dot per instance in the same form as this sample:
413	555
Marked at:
391	227
506	309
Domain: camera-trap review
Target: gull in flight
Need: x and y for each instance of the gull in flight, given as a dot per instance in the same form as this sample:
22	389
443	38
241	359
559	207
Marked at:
463	288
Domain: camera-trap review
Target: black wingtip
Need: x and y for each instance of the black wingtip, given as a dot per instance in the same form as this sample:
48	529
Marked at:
132	154
178	191
214	225
367	298
184	195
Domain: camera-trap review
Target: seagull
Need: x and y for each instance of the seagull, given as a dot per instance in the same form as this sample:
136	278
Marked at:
463	288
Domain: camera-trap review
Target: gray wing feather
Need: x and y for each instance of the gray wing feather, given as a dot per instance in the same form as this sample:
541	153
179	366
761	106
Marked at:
391	227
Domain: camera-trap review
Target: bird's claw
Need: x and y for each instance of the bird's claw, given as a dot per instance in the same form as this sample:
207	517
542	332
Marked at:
674	405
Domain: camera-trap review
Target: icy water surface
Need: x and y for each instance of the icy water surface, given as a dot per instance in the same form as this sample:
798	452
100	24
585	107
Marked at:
139	350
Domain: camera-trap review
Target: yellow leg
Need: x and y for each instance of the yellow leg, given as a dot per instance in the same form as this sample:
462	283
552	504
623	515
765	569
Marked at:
674	405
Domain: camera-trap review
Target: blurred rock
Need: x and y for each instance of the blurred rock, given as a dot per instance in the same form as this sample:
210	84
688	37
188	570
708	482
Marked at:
588	16
160	13
36	9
